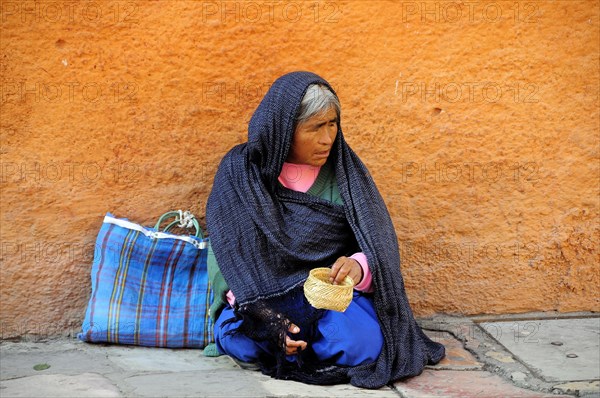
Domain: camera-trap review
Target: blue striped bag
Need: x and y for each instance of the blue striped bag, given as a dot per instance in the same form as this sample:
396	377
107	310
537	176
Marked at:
149	287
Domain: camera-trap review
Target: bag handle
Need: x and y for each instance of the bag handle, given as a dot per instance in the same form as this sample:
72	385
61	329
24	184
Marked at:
184	219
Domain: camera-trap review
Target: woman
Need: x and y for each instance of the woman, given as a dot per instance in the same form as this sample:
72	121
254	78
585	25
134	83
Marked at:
293	198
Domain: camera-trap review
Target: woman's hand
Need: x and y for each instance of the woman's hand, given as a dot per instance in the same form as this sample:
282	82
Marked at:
345	266
293	347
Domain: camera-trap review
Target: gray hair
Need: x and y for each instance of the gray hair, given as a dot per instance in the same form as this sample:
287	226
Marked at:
318	99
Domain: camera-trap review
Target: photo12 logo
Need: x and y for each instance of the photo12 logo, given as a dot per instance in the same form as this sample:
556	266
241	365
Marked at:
466	92
38	173
470	172
470	11
68	92
69	12
269	11
36	252
233	92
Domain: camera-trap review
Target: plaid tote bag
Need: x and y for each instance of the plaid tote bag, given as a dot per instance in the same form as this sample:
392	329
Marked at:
149	288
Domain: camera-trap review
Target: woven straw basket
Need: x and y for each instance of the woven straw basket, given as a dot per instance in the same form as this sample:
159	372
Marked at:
320	293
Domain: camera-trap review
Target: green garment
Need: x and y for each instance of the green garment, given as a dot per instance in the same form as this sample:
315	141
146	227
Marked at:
325	187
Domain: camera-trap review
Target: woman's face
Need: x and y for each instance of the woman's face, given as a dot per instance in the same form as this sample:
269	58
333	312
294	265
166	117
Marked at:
314	138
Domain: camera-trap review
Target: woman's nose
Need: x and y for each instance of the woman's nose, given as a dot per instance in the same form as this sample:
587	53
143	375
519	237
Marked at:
327	135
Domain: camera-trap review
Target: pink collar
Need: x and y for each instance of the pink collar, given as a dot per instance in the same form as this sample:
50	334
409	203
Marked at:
298	177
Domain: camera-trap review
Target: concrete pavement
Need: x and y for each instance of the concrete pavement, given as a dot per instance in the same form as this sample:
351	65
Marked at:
477	364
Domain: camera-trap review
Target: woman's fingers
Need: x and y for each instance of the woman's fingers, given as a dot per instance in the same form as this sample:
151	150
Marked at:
345	266
338	271
293	328
294	346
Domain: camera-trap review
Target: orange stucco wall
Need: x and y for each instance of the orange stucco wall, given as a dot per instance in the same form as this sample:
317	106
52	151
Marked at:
479	122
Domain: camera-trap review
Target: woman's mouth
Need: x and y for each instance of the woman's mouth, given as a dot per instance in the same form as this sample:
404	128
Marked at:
322	154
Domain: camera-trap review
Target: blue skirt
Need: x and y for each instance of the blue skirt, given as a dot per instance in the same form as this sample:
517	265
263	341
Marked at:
347	338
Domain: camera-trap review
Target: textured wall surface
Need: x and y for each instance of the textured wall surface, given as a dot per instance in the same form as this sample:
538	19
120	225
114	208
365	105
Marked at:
478	120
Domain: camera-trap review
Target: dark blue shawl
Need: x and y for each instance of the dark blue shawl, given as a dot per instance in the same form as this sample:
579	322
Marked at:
266	237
